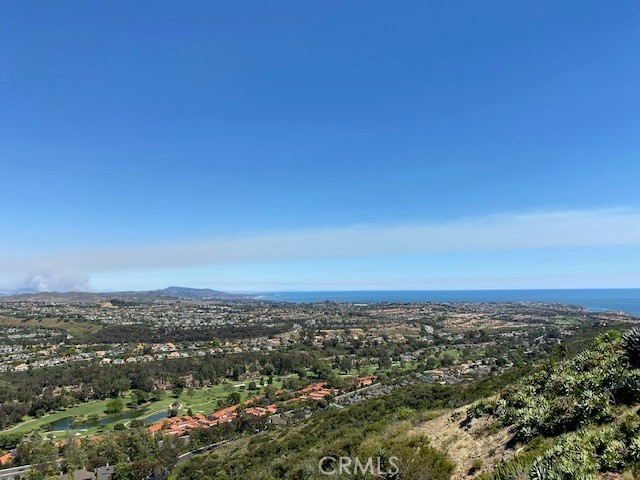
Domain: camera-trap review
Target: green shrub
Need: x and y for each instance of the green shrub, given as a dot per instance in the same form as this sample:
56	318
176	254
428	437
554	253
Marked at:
476	465
632	346
405	413
481	408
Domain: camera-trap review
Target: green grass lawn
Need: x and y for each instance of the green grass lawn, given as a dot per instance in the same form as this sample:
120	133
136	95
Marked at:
455	354
365	370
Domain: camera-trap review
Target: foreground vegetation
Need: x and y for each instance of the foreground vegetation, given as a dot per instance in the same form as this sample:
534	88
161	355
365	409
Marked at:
375	427
576	420
567	419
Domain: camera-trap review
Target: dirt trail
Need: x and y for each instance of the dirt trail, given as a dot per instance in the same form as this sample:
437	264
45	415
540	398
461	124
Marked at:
479	441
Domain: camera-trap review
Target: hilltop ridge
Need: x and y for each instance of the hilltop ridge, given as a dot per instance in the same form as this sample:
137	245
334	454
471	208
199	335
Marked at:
169	293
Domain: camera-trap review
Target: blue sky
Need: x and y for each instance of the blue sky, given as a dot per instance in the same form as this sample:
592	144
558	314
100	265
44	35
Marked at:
215	144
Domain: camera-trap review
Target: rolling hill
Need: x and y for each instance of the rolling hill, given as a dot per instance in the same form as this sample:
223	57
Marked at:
166	294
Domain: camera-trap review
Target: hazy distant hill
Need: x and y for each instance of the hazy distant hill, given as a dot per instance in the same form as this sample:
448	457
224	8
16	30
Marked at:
197	293
17	291
183	293
170	293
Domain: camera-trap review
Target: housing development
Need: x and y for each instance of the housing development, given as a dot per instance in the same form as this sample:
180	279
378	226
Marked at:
188	374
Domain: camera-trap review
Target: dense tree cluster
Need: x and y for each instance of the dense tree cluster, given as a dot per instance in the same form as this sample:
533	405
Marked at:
39	391
148	334
135	453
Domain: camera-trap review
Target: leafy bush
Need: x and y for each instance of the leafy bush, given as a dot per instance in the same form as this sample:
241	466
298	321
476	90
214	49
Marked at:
568	404
405	413
569	396
480	408
632	346
476	465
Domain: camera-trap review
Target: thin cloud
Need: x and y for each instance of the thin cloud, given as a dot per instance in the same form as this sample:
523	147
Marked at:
559	229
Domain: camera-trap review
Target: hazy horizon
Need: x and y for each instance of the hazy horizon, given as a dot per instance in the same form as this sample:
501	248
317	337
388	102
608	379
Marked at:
256	292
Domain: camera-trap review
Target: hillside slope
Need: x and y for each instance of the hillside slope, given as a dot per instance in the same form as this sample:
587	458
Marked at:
475	448
379	427
573	420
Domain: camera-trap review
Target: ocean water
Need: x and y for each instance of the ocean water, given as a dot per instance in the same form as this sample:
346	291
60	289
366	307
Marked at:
618	300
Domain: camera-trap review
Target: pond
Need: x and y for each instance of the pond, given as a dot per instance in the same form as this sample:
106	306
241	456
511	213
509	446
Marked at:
67	423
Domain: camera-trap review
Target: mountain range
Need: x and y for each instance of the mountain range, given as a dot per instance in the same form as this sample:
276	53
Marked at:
169	293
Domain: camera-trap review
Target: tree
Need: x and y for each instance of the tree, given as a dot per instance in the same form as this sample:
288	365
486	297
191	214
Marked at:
236	372
141	469
233	398
335	381
560	351
345	364
10	440
138	397
97	462
42	472
431	362
136	423
36	451
114	406
270	393
158	395
73	455
384	362
122	471
321	369
446	360
119	386
301	371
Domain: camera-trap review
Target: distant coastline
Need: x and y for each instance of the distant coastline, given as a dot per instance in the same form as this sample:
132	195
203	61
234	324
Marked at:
610	299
